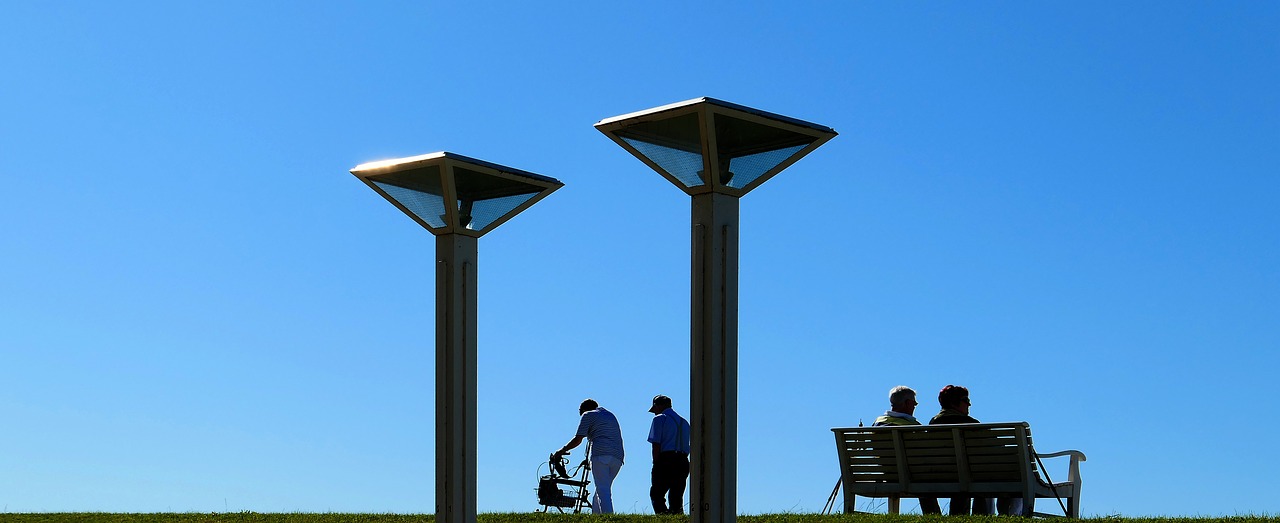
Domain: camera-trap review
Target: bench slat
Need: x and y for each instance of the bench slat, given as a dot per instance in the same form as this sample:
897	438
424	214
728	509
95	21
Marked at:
994	458
932	451
877	460
916	460
874	478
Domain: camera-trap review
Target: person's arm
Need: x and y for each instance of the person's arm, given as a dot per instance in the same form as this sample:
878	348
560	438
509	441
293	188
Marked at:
655	436
577	440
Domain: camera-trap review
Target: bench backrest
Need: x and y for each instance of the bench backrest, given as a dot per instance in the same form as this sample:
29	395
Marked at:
936	459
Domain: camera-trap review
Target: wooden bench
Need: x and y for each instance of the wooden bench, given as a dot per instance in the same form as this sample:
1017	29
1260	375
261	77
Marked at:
975	459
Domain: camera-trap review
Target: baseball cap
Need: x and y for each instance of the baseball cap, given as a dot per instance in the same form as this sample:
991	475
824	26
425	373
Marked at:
660	403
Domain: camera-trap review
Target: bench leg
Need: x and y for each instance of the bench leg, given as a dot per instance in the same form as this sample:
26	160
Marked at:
1074	500
893	504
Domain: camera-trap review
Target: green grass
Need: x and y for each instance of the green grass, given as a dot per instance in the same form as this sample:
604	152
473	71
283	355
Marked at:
253	517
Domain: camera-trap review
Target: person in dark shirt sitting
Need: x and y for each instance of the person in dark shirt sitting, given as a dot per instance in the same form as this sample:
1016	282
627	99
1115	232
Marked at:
955	406
954	400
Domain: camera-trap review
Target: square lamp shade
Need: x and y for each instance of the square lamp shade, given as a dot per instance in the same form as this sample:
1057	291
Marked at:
449	193
707	145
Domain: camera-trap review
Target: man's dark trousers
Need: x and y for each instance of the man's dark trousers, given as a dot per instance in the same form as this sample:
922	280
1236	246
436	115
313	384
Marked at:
670	471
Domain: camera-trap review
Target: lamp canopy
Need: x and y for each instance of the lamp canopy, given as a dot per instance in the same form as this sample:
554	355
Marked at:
708	145
480	195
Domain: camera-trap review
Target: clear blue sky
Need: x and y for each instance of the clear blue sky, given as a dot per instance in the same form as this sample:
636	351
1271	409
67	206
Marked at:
1068	207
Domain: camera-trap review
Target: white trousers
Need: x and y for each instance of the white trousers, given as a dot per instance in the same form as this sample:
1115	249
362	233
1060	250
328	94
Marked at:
603	470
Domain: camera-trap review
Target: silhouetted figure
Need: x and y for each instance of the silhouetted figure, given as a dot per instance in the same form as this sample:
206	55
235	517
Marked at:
669	434
902	404
955	403
601	428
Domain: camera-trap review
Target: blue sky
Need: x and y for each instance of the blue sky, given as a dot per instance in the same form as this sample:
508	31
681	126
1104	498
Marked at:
1067	207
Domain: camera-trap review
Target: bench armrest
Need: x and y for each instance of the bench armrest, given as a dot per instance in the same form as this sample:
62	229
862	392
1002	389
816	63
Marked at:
1073	472
1075	454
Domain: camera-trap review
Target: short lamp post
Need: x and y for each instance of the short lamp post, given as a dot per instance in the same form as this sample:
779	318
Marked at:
716	152
458	199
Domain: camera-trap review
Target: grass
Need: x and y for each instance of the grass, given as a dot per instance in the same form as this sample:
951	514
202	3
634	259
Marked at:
254	517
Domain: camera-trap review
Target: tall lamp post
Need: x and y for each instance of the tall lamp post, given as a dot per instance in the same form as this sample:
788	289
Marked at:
716	152
458	199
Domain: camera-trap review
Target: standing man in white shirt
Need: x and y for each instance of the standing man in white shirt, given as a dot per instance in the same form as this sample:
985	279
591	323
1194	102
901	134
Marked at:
601	428
669	434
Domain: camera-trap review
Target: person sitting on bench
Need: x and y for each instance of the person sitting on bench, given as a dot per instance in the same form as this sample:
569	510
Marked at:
954	400
902	404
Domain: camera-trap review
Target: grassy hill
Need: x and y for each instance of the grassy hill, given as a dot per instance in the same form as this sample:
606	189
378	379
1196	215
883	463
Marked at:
253	517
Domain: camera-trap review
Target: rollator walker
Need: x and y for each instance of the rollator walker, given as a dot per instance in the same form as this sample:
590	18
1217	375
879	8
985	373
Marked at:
561	489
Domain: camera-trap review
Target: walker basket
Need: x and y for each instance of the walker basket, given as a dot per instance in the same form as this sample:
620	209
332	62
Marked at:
561	493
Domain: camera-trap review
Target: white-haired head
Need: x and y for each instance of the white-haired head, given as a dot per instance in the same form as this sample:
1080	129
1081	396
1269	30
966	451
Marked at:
902	398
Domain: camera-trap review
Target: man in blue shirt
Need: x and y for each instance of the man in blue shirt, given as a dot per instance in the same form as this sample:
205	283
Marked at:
601	428
669	435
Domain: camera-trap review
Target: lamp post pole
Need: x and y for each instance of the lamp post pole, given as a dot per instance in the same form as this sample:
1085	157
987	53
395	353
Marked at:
715	152
458	199
456	378
713	366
